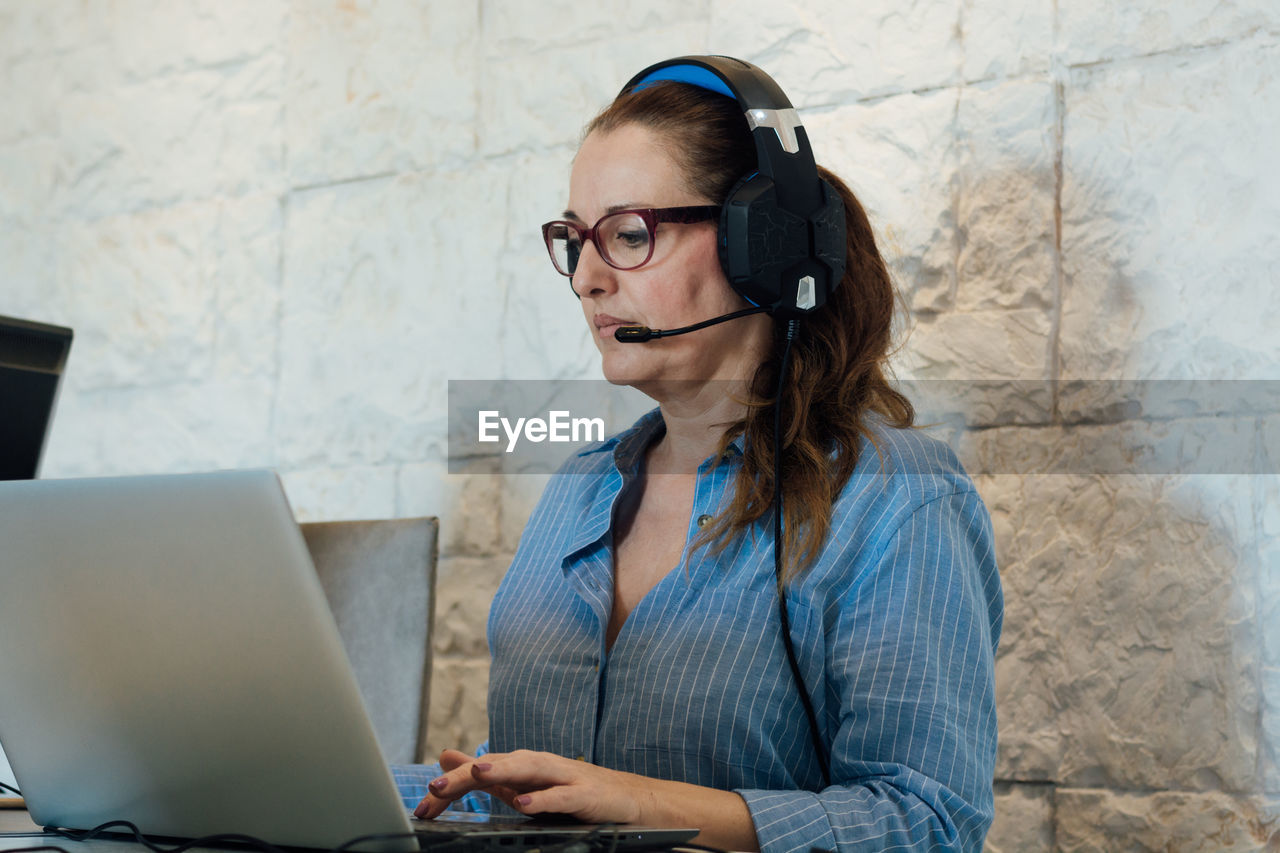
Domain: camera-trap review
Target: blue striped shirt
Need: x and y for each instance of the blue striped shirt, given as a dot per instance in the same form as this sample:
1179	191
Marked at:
895	628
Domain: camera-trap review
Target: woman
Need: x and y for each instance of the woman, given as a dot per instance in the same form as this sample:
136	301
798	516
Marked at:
639	673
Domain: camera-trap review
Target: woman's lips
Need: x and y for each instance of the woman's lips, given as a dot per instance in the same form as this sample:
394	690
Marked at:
606	325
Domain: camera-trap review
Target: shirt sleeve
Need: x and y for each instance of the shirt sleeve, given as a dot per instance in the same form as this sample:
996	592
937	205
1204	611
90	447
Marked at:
910	667
412	780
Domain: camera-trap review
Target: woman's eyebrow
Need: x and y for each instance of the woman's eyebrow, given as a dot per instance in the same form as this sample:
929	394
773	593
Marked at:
613	208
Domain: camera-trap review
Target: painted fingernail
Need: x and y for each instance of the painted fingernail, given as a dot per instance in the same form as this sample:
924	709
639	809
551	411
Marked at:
439	784
482	766
524	800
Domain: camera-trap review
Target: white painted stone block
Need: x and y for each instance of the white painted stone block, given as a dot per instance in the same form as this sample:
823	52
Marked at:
177	294
1024	819
898	156
514	28
1097	30
1002	39
163	140
28	269
544	99
465	587
243	267
544	332
1005	196
153	37
30	92
828	51
354	493
390	290
52	26
1190	446
458	718
1168	223
47	50
1120	666
1267	504
27	177
137	290
1113	401
380	87
1182	822
468	505
950	407
978	345
1269	765
193	425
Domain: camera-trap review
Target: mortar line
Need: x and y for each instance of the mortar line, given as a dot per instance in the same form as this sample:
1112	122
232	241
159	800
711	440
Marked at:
1059	275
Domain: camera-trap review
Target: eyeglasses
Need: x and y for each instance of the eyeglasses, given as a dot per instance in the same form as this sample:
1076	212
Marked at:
624	239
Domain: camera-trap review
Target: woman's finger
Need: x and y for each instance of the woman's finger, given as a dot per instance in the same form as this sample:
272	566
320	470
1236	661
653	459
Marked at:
452	759
527	770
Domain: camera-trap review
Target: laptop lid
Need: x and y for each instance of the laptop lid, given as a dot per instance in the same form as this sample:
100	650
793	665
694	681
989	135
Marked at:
169	659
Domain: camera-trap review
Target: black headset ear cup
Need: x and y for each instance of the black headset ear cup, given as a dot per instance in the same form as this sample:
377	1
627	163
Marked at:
761	242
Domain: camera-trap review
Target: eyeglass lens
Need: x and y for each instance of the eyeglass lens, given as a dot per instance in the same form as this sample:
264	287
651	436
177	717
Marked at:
622	239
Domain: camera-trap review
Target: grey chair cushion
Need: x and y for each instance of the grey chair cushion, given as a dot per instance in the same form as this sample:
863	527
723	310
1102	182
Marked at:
379	577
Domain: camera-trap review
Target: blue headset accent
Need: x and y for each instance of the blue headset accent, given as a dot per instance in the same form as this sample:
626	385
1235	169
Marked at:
691	74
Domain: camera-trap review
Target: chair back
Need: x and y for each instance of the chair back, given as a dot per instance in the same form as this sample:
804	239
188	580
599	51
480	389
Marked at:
379	577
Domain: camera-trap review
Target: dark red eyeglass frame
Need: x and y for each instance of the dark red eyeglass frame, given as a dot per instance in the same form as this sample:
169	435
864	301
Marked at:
651	216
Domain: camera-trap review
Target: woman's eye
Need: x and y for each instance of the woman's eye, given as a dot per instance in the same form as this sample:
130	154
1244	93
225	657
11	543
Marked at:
633	239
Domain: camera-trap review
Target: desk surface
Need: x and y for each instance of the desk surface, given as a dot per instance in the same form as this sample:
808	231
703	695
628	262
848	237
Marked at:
17	820
14	820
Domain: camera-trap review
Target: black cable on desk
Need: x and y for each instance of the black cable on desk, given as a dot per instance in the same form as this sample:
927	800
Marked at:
594	841
140	838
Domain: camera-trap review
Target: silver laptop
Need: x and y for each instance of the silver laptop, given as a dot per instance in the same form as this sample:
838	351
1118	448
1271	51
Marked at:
167	657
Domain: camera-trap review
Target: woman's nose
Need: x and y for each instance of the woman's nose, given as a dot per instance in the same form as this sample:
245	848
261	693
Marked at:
592	276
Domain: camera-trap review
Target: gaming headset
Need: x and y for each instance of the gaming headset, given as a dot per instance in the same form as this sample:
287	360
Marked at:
782	247
782	236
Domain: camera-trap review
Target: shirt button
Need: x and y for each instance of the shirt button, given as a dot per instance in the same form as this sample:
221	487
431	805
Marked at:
703	520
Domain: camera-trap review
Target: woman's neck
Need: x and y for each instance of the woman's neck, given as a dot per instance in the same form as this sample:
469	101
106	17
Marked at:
695	424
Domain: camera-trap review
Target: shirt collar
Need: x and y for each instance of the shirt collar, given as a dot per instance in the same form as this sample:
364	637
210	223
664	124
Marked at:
627	449
628	445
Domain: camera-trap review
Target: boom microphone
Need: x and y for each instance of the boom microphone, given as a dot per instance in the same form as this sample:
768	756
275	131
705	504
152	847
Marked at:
640	334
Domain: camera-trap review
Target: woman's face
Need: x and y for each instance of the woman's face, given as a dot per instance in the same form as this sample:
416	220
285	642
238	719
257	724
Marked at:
681	284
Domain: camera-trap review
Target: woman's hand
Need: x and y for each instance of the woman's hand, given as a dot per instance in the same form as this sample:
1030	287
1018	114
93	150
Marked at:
540	782
537	782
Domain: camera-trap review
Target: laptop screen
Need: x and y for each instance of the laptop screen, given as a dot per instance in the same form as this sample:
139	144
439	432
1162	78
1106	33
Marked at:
32	358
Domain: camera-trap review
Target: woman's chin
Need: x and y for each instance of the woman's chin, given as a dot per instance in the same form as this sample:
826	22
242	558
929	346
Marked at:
626	368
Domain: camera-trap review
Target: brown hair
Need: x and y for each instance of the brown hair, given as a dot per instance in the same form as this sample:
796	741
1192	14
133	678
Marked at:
837	371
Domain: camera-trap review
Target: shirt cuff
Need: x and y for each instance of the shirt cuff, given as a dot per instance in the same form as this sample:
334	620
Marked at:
412	781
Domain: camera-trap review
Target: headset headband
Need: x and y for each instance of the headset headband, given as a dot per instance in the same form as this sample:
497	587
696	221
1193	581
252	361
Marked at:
782	146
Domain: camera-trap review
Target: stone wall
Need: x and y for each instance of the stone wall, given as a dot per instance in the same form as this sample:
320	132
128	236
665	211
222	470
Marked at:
279	228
